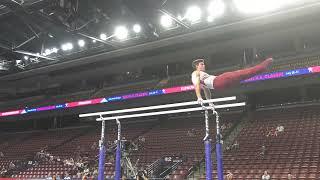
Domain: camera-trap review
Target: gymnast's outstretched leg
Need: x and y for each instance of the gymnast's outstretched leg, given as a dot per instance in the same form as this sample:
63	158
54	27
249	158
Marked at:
229	79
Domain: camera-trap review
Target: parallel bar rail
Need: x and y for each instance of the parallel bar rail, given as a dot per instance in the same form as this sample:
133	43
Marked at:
231	98
170	112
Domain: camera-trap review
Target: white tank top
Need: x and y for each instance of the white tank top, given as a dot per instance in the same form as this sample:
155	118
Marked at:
206	80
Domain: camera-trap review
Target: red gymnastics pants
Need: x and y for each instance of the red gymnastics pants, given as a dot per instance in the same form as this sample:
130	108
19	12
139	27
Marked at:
229	79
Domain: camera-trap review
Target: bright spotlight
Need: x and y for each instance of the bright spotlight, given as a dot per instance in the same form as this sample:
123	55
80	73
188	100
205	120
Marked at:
166	21
67	46
25	58
180	18
256	7
94	41
81	42
193	14
121	32
47	51
136	28
103	36
64	47
70	46
55	50
215	9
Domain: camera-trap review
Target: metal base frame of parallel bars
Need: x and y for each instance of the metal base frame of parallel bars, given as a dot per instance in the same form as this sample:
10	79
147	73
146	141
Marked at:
207	140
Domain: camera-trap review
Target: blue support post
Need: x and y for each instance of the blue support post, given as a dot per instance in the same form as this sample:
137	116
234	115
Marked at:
219	148
118	153
118	162
219	161
102	153
207	144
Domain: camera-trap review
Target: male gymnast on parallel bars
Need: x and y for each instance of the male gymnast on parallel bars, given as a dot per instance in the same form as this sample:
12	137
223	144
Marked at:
202	80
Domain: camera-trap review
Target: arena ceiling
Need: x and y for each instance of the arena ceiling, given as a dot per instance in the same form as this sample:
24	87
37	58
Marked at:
30	27
37	33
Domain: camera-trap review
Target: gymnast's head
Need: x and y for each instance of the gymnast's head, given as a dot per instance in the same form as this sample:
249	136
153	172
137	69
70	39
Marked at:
199	65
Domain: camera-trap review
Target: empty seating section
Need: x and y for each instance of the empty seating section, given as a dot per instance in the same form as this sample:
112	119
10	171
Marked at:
82	95
42	100
25	145
21	102
296	150
296	63
65	144
170	137
128	88
7	141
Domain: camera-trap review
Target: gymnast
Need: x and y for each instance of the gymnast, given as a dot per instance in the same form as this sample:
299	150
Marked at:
202	80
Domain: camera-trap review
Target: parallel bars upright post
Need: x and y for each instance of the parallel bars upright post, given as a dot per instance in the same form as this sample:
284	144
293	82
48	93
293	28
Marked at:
219	156
207	145
118	152
102	152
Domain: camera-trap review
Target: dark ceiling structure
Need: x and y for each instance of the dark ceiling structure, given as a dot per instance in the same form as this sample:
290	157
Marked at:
29	27
37	33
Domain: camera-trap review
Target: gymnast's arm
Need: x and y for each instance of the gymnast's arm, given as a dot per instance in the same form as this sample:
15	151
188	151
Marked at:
197	85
